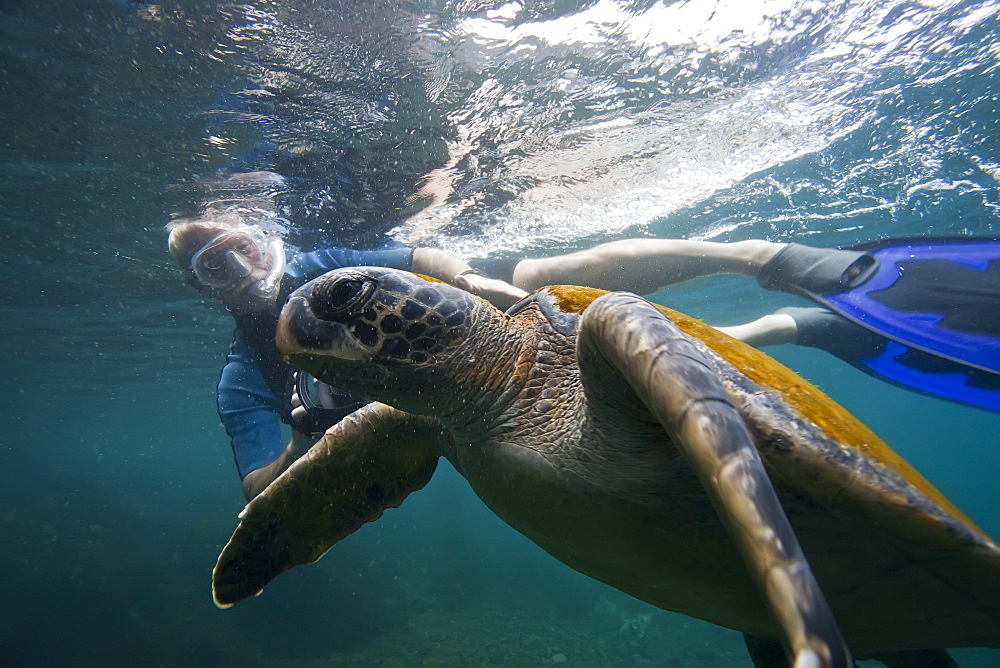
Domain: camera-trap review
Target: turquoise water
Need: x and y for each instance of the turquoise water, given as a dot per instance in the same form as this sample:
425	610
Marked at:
564	124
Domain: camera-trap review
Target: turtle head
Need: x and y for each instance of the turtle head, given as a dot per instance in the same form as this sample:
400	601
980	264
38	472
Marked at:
383	334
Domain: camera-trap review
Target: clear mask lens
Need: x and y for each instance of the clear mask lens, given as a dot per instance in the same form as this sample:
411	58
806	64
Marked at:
230	257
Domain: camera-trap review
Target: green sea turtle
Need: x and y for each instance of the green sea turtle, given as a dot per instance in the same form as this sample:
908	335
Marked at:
638	446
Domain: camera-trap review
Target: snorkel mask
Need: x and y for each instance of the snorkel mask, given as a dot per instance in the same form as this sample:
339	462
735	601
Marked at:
231	256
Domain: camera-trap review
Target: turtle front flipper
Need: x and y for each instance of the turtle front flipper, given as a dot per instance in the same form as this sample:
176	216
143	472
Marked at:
677	384
368	462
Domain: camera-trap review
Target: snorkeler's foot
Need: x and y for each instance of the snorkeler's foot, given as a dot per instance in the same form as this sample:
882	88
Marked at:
821	328
804	270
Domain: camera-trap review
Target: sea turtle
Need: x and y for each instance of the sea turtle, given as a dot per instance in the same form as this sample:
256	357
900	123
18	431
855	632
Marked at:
635	444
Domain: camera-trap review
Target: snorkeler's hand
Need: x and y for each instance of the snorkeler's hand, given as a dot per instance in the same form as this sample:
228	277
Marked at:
299	411
499	292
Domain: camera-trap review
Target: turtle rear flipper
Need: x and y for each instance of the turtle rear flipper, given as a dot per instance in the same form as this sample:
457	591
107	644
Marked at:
368	462
678	386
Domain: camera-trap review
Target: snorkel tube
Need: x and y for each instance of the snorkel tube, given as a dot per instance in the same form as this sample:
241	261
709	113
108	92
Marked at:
268	286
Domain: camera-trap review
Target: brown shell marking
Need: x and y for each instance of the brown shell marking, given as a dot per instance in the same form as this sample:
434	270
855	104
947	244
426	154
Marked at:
799	393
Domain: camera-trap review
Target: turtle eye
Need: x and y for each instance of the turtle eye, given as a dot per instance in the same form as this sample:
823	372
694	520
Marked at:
342	296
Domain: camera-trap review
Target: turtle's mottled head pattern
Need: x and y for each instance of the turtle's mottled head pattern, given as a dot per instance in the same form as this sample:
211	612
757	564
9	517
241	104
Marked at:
372	331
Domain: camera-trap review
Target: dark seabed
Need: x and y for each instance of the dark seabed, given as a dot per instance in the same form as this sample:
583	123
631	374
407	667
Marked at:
565	123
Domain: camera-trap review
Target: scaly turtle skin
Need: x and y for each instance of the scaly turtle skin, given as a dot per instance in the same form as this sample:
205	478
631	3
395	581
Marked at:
638	446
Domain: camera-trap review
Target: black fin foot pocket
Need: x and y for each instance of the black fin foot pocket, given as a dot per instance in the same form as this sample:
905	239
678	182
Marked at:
807	270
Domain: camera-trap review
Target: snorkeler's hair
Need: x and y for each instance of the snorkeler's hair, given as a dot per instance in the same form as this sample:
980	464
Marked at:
186	235
248	200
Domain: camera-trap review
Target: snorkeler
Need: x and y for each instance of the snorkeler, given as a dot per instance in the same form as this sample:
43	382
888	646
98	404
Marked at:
252	273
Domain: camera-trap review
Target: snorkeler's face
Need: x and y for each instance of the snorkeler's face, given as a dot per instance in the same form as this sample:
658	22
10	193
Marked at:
235	266
230	257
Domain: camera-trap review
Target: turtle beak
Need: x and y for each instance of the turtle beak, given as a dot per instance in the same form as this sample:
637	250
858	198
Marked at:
300	332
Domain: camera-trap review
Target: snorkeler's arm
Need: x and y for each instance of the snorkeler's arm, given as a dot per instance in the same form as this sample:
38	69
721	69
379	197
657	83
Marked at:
447	267
251	415
256	481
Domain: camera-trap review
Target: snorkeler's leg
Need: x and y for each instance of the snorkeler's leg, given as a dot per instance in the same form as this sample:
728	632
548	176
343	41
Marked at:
814	327
771	330
645	265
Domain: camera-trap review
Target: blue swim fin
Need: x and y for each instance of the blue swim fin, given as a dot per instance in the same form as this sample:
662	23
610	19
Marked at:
937	301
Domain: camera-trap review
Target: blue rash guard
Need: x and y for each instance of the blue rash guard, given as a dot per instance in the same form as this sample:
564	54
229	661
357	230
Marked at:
250	409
